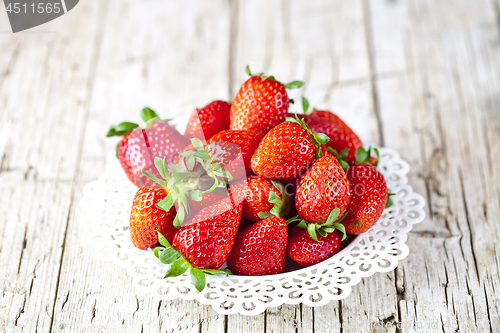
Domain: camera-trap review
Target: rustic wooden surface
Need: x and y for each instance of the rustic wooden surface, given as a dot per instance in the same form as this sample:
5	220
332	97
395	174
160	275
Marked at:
419	76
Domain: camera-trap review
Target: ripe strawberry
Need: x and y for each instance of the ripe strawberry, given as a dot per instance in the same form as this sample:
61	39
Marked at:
138	148
263	196
341	136
208	121
369	196
260	249
207	239
306	251
287	150
322	189
146	220
226	147
260	104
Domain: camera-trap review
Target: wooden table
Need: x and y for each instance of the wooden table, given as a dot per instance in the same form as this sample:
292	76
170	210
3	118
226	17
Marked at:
418	76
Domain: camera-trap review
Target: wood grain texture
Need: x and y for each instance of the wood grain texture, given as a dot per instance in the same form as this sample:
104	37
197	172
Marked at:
417	76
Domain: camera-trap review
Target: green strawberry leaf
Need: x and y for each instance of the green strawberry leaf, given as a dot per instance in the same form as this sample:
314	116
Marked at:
217	271
166	203
322	232
276	210
263	215
305	104
273	197
163	241
334	214
157	250
362	155
293	219
389	200
303	224
203	155
198	278
378	157
321	138
247	70
169	255
340	227
177	268
195	195
179	217
176	178
147	114
344	165
292	101
343	216
161	167
293	120
311	230
121	129
154	178
268	77
294	85
197	143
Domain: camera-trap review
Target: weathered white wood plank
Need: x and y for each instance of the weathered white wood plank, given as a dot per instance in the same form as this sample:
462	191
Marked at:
168	64
43	78
436	91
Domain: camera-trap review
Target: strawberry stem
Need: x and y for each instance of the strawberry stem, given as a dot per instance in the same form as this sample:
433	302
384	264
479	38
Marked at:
179	265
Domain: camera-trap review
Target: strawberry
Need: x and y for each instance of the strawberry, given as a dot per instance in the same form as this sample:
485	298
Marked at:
263	196
341	136
207	239
260	104
369	196
146	220
260	249
226	147
287	150
322	189
208	121
138	148
306	251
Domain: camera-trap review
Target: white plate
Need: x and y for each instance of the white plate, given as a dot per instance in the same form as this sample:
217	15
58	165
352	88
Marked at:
108	201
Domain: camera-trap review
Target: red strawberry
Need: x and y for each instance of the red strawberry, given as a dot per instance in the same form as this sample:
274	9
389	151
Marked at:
146	220
207	239
306	251
369	196
260	249
260	104
341	136
322	189
263	196
138	148
208	121
226	148
287	150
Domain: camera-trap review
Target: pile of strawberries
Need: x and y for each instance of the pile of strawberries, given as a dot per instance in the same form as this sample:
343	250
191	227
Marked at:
248	184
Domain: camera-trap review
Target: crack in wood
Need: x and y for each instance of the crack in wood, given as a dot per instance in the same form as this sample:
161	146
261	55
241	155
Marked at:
471	236
22	250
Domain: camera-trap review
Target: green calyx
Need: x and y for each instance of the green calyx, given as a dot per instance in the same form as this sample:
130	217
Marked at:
306	105
188	184
330	225
362	156
178	265
389	200
290	85
124	128
280	205
318	139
